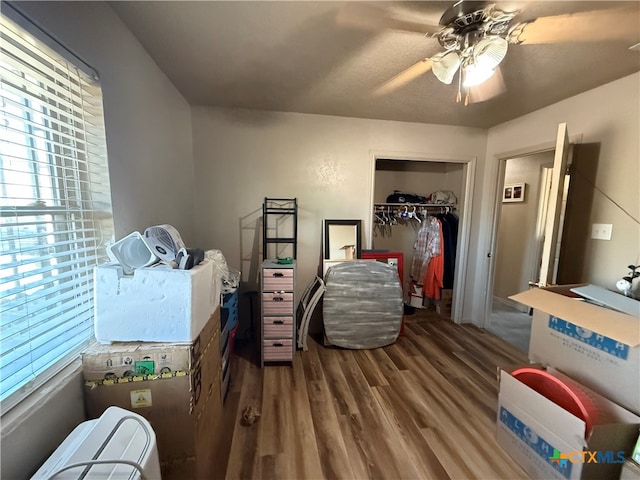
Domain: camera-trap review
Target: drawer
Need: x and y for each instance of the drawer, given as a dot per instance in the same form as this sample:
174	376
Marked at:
277	279
281	327
277	303
280	349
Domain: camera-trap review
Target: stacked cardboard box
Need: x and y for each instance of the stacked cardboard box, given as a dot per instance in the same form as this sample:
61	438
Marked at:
595	346
175	386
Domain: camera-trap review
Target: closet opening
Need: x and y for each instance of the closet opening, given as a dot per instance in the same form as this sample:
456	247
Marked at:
418	210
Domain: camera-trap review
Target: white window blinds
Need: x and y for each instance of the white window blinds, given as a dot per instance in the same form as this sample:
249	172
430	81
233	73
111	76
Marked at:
55	209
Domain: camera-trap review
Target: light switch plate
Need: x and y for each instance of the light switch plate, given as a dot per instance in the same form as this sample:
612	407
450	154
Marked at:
601	231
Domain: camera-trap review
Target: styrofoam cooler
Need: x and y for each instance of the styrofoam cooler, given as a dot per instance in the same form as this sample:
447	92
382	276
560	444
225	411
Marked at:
98	449
154	304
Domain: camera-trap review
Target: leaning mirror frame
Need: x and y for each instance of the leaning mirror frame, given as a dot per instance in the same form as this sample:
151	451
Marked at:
349	239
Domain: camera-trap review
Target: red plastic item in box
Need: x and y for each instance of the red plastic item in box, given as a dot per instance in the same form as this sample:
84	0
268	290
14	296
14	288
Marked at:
565	393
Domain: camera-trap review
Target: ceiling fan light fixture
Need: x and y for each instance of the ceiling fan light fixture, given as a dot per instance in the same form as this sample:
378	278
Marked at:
490	51
445	66
475	74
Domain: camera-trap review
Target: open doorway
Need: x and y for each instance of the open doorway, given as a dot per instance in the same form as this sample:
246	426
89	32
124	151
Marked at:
540	239
518	250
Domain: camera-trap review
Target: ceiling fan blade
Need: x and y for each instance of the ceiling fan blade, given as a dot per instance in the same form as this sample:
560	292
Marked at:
592	26
491	88
404	77
369	17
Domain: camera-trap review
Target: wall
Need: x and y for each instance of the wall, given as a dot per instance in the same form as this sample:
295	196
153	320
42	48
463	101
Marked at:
576	233
150	156
417	177
35	427
326	162
607	116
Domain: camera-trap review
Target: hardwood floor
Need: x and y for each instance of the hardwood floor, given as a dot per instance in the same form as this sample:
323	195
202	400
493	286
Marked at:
422	408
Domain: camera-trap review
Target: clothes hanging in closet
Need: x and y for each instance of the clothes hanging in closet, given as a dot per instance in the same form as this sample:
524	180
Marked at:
435	269
427	245
449	224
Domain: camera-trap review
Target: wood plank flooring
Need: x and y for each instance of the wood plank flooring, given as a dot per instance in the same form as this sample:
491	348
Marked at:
422	408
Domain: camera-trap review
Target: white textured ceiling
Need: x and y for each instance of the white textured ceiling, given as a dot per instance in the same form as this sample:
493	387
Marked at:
294	56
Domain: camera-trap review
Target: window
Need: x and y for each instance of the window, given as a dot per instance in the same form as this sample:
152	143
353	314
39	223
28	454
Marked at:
55	210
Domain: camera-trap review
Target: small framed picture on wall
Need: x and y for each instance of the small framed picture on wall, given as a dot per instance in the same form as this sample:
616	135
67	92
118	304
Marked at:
513	192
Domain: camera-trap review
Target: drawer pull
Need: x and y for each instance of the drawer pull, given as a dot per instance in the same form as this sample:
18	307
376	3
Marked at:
278	344
278	299
278	322
278	274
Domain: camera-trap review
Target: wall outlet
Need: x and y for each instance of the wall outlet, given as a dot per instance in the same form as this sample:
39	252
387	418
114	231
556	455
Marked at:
601	231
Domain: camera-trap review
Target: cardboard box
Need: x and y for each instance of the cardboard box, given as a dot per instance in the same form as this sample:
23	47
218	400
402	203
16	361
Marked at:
548	442
183	407
446	302
598	347
154	304
125	359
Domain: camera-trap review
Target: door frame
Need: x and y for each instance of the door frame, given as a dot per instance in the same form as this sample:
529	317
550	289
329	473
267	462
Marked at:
502	158
464	213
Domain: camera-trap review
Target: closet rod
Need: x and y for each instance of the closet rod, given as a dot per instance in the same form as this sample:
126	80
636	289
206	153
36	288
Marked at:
427	205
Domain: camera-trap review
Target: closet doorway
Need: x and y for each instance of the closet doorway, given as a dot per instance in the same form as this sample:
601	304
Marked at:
421	176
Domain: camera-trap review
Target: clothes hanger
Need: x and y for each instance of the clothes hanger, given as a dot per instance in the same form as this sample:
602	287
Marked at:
393	217
386	216
413	214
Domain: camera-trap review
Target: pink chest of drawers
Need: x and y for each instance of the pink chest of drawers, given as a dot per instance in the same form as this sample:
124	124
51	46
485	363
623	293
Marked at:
278	324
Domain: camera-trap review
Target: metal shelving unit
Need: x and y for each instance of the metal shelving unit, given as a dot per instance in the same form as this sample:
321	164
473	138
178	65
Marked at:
279	215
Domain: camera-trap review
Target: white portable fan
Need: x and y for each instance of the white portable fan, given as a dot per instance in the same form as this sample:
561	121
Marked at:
164	241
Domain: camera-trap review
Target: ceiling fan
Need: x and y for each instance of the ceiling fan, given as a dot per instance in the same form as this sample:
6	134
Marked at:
475	37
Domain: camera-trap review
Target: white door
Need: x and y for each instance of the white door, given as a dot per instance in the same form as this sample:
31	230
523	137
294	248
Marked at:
554	207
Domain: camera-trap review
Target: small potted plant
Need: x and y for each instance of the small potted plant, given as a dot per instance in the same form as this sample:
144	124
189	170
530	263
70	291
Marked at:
625	285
